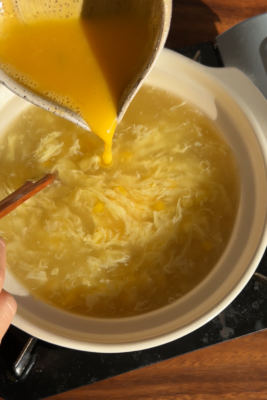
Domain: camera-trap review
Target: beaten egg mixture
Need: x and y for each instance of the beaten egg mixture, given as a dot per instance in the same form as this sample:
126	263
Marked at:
128	239
84	64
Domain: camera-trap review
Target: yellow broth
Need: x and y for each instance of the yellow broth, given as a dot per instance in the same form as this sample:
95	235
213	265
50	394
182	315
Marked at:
128	239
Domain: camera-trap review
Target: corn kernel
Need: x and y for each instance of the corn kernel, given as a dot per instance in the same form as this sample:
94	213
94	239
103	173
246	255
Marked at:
123	191
159	206
99	208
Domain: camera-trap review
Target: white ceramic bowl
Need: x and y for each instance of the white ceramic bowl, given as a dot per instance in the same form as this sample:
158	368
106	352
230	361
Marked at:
239	111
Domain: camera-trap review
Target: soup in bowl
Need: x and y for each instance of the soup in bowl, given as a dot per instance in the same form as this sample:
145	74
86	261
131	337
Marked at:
139	253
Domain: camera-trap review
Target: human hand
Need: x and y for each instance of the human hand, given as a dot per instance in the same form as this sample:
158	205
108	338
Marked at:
8	305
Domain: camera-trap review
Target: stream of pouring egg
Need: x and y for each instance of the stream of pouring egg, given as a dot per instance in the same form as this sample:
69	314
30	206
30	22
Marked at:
84	65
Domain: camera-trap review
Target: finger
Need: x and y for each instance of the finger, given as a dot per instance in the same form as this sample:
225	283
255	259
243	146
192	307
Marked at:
2	262
8	308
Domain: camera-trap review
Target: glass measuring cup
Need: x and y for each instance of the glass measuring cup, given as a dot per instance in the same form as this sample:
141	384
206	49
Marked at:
157	11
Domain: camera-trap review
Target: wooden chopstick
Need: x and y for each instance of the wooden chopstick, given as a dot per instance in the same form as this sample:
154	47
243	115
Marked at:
22	194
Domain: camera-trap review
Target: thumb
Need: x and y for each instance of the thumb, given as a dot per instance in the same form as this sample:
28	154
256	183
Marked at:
8	308
2	262
8	305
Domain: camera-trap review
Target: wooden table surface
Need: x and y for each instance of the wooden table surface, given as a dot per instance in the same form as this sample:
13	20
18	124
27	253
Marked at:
233	370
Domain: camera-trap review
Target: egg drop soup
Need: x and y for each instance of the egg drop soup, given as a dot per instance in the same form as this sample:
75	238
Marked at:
128	239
